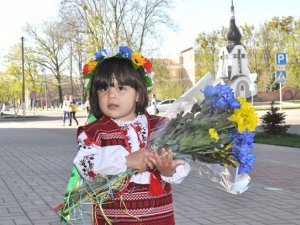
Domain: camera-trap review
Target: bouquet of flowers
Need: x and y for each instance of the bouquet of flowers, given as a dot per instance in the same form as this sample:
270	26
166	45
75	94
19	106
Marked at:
213	128
216	130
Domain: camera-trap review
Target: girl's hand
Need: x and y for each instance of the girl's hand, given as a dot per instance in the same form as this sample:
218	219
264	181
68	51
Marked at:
140	160
165	163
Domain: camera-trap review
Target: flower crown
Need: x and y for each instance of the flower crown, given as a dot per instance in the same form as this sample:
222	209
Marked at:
139	62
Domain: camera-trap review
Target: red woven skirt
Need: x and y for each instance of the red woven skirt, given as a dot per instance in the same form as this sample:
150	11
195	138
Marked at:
137	207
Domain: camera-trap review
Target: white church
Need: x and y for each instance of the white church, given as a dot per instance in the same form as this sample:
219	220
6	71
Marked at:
233	63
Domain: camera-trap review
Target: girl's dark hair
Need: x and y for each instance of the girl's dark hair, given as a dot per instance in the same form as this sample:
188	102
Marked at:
124	72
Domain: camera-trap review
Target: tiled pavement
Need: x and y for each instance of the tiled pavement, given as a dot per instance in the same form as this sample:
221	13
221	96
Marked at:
35	163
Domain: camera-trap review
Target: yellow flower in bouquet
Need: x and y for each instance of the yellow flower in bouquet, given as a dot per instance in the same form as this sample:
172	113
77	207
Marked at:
245	117
213	134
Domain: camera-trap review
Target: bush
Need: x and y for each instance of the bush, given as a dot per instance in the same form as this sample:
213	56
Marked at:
273	122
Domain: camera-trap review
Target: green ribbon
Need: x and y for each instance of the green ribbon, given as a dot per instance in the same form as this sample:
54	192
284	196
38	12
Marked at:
92	118
73	181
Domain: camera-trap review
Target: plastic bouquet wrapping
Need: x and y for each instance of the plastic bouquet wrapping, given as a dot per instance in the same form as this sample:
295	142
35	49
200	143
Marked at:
209	125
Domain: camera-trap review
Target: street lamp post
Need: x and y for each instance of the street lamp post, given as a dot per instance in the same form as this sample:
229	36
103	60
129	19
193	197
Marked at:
23	79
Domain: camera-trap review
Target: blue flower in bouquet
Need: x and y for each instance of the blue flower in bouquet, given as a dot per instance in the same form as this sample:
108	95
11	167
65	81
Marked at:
242	146
220	97
247	159
246	139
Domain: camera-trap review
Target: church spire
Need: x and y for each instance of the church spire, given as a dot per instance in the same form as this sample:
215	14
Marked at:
233	36
232	8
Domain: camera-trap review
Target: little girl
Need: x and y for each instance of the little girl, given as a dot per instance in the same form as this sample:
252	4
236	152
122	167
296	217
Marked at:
117	139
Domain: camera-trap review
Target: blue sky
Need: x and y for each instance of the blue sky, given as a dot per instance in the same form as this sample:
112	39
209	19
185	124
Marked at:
191	16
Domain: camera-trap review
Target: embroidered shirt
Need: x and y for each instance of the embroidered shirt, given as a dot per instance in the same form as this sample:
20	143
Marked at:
93	159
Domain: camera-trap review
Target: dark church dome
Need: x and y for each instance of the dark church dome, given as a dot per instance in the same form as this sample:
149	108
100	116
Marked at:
233	36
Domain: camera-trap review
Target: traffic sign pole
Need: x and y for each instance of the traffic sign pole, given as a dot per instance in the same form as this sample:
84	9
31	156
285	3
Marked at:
280	96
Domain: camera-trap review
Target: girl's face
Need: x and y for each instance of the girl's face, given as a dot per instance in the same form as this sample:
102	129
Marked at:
118	101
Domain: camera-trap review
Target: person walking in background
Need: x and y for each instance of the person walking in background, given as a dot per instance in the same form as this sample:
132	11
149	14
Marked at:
73	110
154	104
115	142
65	108
32	98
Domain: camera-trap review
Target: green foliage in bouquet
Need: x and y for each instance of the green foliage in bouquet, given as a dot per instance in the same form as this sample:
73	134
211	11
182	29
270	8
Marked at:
188	135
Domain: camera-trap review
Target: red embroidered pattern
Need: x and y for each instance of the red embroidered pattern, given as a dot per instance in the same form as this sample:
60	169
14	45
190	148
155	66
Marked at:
87	165
138	207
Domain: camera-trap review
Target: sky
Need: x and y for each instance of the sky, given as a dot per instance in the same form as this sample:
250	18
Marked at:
191	16
196	16
15	14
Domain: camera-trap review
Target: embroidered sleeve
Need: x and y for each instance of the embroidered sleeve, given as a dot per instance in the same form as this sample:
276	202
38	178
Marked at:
181	172
92	159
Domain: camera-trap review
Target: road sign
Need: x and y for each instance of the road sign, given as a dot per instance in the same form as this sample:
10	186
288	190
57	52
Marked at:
281	59
280	76
280	67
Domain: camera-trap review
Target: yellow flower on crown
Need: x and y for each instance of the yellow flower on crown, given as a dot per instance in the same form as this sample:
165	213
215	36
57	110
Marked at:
138	59
245	117
213	134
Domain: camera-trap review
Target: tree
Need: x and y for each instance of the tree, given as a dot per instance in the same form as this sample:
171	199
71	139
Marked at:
279	35
49	50
293	66
118	22
75	38
273	122
206	52
249	40
166	85
12	75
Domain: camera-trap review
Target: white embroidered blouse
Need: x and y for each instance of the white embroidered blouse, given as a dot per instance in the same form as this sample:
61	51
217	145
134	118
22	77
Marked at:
93	159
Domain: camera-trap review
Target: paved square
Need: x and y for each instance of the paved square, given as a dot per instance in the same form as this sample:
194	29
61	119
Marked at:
36	162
